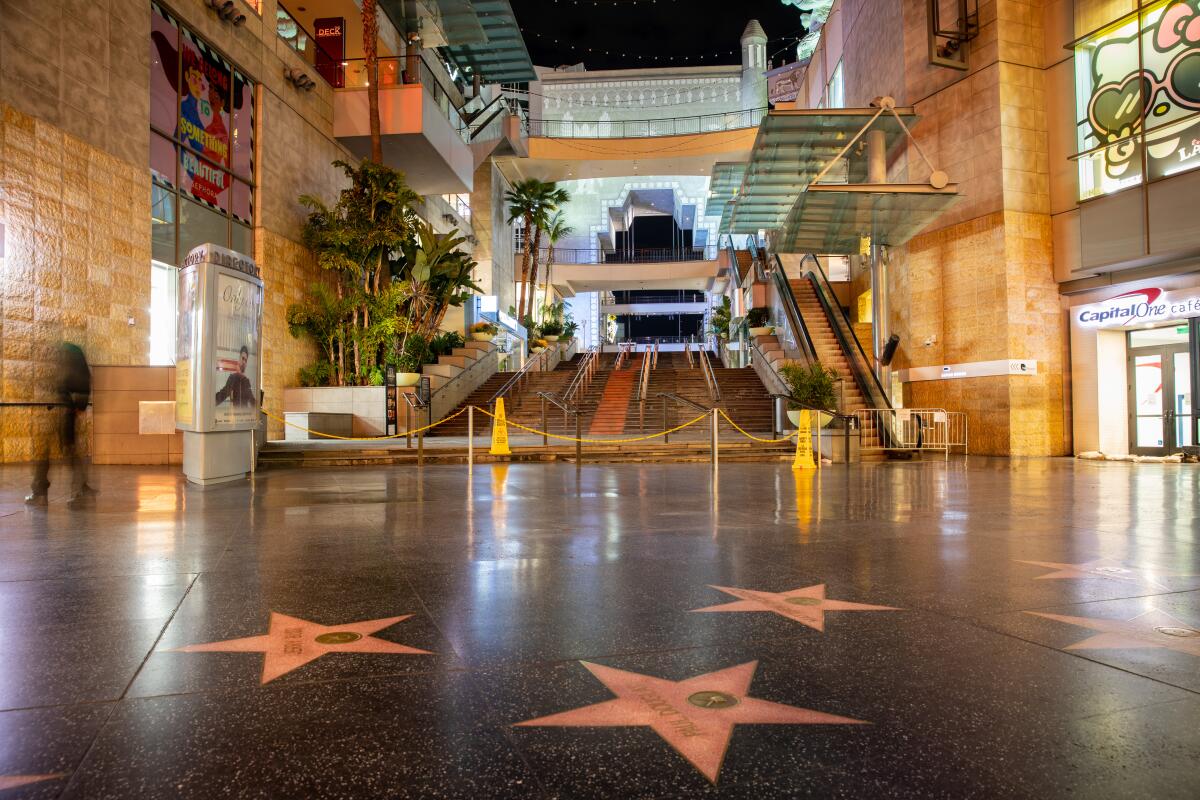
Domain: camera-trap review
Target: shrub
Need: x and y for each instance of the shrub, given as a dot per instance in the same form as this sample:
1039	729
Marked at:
758	317
319	373
444	343
485	327
811	386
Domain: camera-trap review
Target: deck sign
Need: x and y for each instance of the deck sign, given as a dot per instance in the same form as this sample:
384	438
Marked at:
1139	307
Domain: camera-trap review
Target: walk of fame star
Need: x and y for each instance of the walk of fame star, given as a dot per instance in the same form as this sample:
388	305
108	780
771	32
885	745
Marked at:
1153	628
806	606
13	781
291	642
694	716
1102	568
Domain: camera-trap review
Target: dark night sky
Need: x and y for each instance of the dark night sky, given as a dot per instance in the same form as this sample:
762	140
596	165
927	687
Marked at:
678	32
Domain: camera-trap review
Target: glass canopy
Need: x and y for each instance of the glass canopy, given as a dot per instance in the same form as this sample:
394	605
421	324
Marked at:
502	57
835	219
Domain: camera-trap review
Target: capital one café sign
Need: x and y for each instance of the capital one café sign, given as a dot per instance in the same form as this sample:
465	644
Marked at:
1139	307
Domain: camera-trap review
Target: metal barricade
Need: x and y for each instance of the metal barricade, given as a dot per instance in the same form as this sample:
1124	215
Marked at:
913	429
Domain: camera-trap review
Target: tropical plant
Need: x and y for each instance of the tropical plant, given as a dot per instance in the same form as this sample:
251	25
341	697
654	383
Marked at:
413	355
318	373
370	26
556	229
485	327
444	343
757	317
570	326
321	316
551	327
358	240
811	386
531	202
722	318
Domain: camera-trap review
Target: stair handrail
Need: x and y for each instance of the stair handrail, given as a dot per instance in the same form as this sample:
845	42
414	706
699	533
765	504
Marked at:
684	401
687	351
654	364
791	310
710	380
583	375
861	367
644	375
521	375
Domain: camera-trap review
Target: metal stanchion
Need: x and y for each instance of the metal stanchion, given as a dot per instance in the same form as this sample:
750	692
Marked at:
420	448
407	425
666	436
578	437
470	437
545	440
714	438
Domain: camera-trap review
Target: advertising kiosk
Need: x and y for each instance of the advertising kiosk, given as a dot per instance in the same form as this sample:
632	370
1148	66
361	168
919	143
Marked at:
217	363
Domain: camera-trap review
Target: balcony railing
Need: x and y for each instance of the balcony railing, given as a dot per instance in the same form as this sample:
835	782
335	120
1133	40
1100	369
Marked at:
302	41
652	255
392	74
636	129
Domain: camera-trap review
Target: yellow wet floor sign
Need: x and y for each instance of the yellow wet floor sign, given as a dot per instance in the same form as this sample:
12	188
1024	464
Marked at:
500	432
804	456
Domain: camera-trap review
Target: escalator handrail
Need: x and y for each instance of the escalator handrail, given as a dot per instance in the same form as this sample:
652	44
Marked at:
792	309
841	312
475	128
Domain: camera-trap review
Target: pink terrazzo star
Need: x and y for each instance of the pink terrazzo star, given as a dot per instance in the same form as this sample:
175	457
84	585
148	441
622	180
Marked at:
1101	568
291	643
806	606
1153	628
13	781
695	716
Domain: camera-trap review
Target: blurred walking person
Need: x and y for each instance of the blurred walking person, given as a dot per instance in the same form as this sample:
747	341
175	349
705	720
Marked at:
73	391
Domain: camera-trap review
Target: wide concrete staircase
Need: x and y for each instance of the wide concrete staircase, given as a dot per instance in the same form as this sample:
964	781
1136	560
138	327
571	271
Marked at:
523	407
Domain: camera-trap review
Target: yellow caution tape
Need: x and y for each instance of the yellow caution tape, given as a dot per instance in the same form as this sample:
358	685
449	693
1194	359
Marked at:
363	438
596	441
751	435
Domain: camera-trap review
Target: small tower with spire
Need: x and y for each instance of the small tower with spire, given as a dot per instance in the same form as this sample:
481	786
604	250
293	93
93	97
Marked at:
754	65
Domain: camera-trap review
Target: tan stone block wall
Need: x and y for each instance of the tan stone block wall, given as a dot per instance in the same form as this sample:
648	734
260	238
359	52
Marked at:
288	269
76	264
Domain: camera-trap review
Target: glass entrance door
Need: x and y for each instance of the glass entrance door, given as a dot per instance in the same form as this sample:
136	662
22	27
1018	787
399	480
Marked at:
1160	398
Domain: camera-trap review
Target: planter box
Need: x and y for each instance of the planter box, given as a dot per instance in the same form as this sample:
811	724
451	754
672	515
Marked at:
364	403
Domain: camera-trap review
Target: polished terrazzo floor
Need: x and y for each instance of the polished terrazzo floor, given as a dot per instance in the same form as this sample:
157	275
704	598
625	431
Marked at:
979	628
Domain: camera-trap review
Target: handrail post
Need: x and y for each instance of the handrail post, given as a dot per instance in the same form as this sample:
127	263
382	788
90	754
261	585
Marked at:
545	441
578	440
713	425
407	425
666	436
470	437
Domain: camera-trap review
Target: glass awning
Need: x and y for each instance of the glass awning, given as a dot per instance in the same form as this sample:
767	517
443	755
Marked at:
722	188
835	219
791	148
502	57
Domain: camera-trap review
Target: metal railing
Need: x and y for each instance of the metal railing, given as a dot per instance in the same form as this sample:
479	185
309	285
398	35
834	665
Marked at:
624	351
301	40
678	400
551	398
642	128
645	255
914	429
392	73
687	352
583	376
710	378
535	363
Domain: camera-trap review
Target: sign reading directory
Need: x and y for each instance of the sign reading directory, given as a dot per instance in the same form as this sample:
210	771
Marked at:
217	361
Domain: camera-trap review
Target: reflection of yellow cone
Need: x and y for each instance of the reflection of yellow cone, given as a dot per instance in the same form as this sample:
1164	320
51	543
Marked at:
500	432
804	456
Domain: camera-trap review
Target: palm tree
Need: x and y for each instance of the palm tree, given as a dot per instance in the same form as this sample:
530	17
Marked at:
370	25
548	199
556	229
523	207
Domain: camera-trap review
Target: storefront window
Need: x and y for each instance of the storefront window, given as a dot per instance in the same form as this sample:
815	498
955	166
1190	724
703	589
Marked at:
201	161
1138	98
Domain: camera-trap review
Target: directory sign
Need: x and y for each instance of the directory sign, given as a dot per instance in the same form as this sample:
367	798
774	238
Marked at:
218	368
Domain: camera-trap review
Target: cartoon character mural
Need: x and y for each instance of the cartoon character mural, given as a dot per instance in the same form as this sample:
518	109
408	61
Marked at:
208	89
1134	92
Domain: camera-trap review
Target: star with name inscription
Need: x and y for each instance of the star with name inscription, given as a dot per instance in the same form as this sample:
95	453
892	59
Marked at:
290	642
13	781
1102	568
1152	628
806	606
695	716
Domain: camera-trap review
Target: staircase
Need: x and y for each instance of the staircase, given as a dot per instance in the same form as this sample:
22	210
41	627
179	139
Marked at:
829	351
524	407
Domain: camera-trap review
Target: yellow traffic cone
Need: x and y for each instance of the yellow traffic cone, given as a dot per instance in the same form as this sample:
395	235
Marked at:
804	456
500	432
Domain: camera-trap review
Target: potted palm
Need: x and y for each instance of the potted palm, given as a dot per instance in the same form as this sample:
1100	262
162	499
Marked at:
551	330
409	359
570	327
757	321
812	388
484	331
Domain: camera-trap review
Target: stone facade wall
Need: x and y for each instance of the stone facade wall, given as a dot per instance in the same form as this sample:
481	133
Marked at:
75	188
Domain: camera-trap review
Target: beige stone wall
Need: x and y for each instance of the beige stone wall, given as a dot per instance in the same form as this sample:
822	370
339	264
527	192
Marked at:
75	188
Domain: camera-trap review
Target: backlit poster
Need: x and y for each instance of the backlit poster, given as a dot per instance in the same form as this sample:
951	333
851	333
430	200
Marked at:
235	351
185	349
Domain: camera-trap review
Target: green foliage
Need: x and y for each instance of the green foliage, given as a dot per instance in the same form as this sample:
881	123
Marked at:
721	318
551	327
758	317
318	373
811	386
570	326
444	343
375	378
485	327
414	354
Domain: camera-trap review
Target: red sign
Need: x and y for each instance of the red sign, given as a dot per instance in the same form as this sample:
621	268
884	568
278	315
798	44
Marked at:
330	38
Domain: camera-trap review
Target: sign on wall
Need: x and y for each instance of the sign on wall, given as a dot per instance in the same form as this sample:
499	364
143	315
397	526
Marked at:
329	35
974	369
217	345
1138	308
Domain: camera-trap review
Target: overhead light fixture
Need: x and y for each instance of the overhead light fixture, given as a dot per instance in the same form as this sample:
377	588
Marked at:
227	11
299	78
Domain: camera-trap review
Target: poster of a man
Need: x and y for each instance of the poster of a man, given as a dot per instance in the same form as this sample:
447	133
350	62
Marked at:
238	389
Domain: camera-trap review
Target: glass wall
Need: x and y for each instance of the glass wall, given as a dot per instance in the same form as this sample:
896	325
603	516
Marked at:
201	160
1137	91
